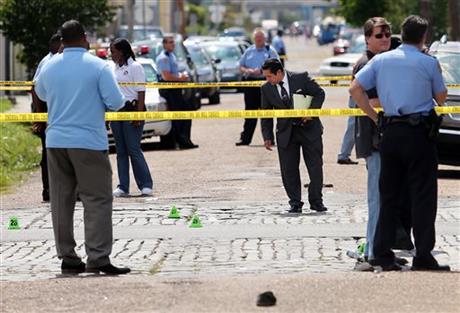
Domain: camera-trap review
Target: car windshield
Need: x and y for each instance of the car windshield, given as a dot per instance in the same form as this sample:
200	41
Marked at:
358	46
450	65
227	53
150	73
198	56
140	34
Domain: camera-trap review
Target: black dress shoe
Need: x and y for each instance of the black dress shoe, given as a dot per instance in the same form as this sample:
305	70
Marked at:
73	269
318	207
187	146
295	209
389	267
109	269
347	161
400	261
242	143
428	264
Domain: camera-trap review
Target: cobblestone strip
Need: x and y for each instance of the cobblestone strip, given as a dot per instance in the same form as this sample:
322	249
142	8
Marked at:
37	259
349	211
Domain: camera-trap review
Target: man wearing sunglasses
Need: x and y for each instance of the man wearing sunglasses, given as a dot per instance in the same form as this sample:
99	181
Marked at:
407	81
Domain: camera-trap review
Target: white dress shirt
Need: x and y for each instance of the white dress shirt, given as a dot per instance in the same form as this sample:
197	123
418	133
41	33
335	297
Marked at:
285	85
133	72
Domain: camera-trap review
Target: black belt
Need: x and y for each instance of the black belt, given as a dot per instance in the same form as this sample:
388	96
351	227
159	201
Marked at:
414	119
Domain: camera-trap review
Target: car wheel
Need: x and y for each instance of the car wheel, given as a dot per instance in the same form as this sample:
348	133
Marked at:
215	98
167	141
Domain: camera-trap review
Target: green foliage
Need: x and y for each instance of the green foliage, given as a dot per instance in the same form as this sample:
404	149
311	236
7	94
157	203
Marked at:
356	12
32	22
201	14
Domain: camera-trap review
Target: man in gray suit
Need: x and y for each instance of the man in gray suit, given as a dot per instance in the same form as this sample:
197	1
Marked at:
293	134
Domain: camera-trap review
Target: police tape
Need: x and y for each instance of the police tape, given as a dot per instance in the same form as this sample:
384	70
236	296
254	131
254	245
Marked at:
173	85
186	115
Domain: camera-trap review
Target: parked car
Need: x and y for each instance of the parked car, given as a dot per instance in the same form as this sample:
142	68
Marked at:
346	37
153	103
141	32
236	32
448	55
343	64
206	71
152	48
229	53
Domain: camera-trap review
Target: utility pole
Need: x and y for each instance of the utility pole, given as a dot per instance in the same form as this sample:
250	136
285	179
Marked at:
181	11
130	19
426	11
454	23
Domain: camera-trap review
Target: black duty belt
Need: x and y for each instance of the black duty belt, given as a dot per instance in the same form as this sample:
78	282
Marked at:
414	119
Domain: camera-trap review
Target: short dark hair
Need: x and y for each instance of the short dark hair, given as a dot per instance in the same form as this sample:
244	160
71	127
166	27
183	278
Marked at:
123	45
55	42
167	37
72	31
279	32
413	28
273	65
375	22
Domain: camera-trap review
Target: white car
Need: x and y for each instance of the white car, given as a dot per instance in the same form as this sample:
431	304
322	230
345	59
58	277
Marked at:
153	103
342	65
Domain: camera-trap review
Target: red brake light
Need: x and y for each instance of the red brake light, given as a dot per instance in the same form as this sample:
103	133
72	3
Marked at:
144	49
102	53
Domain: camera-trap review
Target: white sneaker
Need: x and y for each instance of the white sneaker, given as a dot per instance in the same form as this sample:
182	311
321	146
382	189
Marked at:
146	191
120	193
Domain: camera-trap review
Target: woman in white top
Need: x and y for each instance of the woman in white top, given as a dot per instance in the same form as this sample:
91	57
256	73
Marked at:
128	134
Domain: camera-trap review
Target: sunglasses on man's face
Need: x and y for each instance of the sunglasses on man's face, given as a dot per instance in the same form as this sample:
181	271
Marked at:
380	35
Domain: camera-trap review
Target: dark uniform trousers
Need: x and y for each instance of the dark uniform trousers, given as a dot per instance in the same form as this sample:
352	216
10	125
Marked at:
409	157
176	102
44	166
252	101
289	157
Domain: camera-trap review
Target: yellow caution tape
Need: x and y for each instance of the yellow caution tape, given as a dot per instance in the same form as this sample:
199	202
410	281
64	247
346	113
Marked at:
16	88
165	85
186	115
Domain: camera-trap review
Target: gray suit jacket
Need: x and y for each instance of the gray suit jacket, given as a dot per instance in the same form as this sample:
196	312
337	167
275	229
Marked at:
271	100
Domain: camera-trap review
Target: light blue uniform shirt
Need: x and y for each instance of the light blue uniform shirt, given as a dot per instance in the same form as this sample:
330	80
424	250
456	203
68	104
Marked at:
406	80
278	44
78	88
255	57
167	62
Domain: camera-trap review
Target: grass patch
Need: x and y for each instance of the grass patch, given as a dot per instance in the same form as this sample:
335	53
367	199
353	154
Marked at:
5	105
19	151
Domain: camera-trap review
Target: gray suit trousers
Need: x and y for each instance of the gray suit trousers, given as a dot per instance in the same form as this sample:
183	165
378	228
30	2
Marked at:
90	170
289	157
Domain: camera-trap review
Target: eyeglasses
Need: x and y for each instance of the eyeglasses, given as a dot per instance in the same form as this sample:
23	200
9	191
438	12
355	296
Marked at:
380	35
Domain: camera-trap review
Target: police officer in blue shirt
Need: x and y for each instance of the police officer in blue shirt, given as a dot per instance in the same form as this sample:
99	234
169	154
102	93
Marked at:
251	67
167	66
279	45
407	80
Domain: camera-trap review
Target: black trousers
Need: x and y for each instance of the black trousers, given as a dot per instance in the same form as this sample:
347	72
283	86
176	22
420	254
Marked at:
176	102
408	157
252	101
289	157
44	165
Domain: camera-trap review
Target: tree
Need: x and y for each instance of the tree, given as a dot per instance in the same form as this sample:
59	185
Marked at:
32	22
356	12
